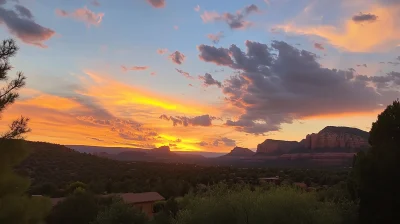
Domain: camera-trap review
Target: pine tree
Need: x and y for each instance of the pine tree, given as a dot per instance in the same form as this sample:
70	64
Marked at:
15	206
377	171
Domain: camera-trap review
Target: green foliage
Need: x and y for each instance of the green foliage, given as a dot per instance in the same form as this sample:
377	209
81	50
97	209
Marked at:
76	186
375	179
241	205
15	205
79	208
121	213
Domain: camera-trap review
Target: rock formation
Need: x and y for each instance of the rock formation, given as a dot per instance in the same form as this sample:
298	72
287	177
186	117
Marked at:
328	138
240	152
277	146
336	137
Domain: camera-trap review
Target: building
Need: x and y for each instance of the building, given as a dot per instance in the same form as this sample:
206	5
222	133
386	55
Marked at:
142	201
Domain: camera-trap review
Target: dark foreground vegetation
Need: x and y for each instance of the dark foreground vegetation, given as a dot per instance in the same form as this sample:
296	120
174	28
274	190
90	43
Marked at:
367	193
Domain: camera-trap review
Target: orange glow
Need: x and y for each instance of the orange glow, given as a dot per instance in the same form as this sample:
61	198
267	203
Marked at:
111	94
53	102
375	36
345	114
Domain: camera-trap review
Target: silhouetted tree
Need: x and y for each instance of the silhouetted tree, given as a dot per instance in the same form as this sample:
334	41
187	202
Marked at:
377	171
121	213
15	205
9	92
79	208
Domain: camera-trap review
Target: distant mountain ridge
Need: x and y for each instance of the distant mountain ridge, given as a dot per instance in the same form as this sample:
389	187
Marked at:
330	137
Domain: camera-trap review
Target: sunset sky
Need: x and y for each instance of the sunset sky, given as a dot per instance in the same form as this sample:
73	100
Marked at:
200	75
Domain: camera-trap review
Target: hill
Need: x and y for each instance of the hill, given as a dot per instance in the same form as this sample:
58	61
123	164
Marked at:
239	152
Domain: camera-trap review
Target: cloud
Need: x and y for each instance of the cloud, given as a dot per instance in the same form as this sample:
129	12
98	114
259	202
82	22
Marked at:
134	68
226	141
363	65
95	3
162	51
84	15
219	56
215	38
319	46
279	83
394	63
367	17
202	143
176	27
381	35
157	3
197	8
24	12
203	120
208	80
177	57
24	28
398	58
234	21
186	74
96	139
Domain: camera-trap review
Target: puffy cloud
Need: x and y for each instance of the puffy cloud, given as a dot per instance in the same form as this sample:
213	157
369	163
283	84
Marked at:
157	3
380	35
203	120
134	68
215	38
177	57
186	74
235	21
162	51
319	46
364	17
226	141
219	56
22	25
197	8
84	15
279	83
208	80
24	12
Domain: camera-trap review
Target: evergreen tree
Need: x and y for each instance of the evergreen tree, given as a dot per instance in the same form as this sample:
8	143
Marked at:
377	171
15	206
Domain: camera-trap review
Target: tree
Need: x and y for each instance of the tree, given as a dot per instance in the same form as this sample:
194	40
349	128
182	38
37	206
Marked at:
15	205
376	172
9	93
78	208
121	213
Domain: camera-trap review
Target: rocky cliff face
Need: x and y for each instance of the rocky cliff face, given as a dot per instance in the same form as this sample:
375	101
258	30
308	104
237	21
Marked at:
336	137
240	152
329	137
275	146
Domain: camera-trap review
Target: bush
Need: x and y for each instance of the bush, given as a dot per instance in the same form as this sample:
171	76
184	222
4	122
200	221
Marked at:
241	205
121	213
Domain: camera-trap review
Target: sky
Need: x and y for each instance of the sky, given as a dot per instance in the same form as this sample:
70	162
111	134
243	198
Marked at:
200	75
